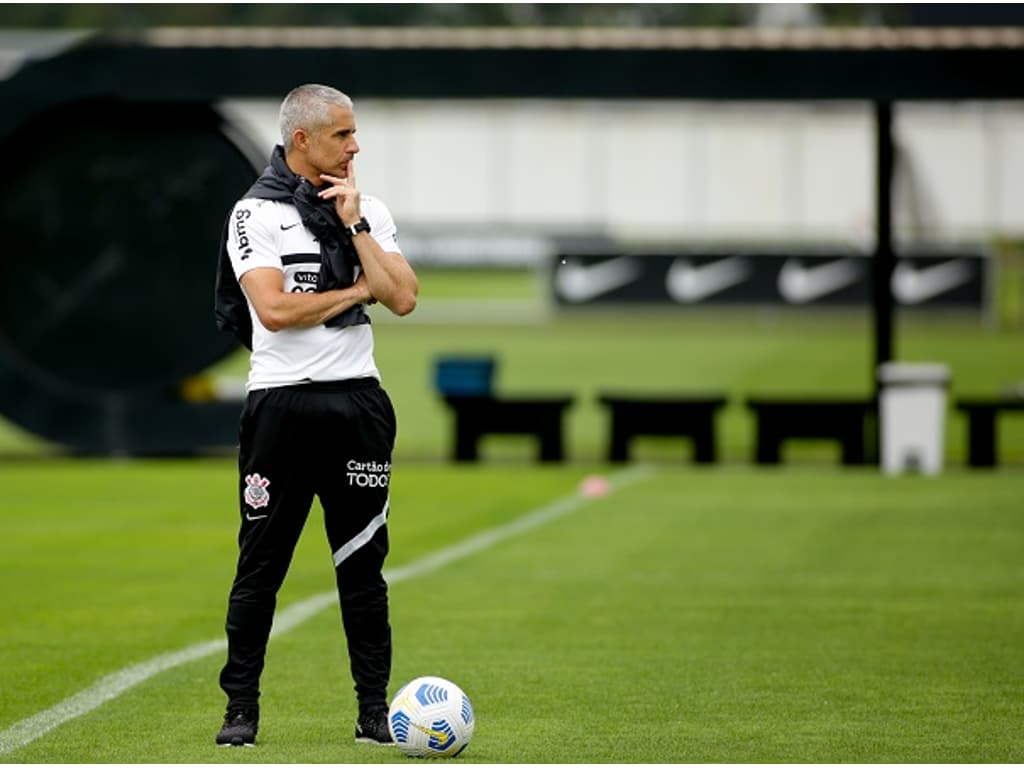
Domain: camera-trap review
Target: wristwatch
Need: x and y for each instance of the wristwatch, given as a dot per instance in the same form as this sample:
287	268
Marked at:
360	226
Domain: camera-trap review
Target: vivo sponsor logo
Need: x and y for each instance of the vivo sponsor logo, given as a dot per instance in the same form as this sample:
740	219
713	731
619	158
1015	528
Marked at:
368	474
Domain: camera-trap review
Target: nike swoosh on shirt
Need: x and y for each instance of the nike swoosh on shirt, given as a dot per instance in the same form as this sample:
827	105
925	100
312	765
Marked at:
688	283
578	283
294	224
914	286
251	518
799	284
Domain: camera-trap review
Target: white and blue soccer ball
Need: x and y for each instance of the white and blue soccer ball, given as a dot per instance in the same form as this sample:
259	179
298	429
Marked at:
431	717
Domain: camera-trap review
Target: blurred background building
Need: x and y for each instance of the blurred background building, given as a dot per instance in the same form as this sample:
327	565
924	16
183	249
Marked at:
633	168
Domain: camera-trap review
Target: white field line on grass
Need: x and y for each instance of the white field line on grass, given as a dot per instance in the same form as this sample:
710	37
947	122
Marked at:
113	685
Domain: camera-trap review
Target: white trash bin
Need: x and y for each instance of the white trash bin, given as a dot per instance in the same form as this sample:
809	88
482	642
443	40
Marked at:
912	416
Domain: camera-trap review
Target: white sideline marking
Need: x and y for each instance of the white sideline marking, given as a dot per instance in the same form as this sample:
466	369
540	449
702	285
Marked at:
113	685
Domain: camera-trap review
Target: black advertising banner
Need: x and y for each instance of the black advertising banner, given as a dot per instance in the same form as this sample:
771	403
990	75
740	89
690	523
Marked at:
931	278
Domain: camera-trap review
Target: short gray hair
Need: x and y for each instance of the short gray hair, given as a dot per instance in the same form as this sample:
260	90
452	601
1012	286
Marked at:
308	107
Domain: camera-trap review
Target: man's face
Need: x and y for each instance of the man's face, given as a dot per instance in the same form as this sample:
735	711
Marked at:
332	146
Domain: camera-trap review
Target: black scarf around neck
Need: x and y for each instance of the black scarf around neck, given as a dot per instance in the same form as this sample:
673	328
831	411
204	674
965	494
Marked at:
338	257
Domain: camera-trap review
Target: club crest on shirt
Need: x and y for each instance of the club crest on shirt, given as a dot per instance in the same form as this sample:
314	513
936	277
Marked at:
256	494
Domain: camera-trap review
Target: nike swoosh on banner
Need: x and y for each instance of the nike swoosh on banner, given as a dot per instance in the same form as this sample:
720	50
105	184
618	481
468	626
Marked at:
688	283
799	284
914	286
578	283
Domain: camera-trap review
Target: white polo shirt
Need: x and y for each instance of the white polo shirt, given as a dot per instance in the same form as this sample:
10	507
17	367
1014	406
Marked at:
267	233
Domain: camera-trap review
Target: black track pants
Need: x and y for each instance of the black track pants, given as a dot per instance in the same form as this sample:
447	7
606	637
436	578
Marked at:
334	441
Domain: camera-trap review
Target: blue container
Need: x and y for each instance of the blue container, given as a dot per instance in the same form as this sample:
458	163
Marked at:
464	375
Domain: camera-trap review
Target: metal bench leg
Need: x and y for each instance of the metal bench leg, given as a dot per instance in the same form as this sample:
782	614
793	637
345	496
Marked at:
853	445
551	441
981	445
466	437
768	443
618	445
704	442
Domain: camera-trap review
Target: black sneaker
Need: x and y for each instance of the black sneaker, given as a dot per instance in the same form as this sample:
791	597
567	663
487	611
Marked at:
239	729
372	728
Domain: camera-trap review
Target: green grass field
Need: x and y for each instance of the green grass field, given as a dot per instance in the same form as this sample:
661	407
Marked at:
729	614
804	613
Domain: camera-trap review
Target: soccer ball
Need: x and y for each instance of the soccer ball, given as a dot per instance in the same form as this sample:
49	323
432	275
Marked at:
431	717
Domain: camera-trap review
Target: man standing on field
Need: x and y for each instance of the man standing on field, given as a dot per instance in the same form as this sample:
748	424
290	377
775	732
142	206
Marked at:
304	253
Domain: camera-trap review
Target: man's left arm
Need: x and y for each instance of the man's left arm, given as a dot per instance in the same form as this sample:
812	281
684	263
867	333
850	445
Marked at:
390	278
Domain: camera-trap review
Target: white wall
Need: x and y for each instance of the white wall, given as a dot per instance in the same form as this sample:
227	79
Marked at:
682	171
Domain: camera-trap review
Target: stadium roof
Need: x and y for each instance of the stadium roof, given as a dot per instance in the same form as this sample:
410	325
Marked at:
195	63
860	38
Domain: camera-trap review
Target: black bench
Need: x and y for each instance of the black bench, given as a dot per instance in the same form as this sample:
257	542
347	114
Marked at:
836	419
981	426
691	417
479	415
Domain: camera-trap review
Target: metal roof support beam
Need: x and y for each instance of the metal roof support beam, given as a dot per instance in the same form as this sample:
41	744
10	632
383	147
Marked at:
884	262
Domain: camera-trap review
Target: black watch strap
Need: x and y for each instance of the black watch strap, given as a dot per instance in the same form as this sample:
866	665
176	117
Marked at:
360	226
